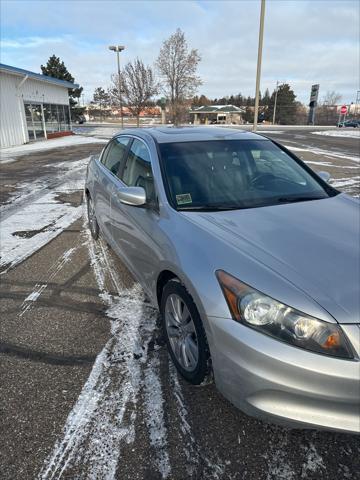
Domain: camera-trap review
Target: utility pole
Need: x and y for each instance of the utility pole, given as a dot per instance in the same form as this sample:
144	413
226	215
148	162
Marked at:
118	49
275	101
258	70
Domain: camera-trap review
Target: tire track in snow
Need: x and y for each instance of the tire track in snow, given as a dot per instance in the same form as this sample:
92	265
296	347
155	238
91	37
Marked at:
154	410
97	425
40	287
45	217
195	459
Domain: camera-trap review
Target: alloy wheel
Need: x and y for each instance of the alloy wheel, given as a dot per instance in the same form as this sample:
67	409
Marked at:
181	332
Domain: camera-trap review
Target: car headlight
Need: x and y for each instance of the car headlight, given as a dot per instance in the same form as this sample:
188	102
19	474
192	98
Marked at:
263	313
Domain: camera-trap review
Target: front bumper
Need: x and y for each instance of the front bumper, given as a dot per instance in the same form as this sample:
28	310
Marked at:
274	381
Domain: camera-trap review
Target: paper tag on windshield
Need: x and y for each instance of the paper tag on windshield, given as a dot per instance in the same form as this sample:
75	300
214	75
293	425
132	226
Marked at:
183	198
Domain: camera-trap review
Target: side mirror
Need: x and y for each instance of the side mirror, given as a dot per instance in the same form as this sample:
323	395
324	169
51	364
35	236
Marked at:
325	176
135	196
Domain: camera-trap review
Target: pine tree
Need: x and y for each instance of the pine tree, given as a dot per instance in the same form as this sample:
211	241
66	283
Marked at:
102	99
286	105
56	68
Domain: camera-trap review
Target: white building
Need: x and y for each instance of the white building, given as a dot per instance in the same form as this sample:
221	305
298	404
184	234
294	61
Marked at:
32	106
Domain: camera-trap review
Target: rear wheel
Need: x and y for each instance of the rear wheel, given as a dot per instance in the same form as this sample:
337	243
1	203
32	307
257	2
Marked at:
93	224
184	333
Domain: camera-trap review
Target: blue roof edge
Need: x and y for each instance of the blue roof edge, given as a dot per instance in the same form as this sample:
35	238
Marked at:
38	76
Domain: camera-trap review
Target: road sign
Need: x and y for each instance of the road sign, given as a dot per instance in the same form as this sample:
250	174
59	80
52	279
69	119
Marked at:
343	110
314	93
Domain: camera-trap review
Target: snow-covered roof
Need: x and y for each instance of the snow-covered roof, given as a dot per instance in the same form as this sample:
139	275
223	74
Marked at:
36	76
217	109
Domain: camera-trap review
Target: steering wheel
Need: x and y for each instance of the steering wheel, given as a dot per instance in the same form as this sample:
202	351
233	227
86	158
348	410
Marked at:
262	176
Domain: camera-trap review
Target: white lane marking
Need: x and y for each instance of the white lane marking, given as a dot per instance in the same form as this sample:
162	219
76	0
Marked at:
96	427
40	287
154	409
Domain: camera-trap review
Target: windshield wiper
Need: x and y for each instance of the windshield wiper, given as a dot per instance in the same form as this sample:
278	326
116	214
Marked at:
298	199
209	208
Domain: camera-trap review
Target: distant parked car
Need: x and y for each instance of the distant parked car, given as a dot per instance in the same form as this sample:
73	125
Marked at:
349	123
80	119
253	260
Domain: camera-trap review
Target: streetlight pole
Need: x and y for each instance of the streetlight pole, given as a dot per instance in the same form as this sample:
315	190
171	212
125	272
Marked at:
118	49
275	101
258	71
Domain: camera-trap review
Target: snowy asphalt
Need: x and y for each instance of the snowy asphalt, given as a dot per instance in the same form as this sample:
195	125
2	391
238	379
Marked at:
87	390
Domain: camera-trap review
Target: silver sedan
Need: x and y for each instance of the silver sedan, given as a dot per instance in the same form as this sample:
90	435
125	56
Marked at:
253	260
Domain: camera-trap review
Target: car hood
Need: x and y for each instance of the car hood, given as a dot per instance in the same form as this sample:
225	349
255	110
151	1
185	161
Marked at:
314	245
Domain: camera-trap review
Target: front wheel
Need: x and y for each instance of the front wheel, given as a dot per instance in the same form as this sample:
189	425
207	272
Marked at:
184	333
93	224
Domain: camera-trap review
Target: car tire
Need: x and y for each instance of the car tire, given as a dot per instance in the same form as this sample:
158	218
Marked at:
184	333
92	222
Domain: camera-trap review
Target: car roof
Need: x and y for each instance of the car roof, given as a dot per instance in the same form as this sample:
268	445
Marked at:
191	134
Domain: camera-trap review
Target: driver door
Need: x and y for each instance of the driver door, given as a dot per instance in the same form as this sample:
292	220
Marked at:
135	230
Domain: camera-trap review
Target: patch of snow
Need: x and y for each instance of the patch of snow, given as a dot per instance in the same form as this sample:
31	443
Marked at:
96	427
40	287
270	131
325	164
45	217
318	151
215	468
33	296
102	132
345	133
278	467
72	178
313	463
345	182
9	154
154	410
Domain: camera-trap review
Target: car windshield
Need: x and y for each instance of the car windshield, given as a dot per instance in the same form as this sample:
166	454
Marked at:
235	174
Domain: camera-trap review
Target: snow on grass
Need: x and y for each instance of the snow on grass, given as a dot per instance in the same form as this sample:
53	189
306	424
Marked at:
8	155
32	227
100	423
351	133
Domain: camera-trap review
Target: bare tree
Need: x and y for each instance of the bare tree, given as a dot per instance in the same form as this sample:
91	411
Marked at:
138	86
326	112
177	65
331	98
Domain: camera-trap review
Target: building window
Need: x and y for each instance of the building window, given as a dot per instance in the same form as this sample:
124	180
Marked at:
56	118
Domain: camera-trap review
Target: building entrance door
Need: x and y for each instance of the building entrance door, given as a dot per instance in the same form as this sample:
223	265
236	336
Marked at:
34	121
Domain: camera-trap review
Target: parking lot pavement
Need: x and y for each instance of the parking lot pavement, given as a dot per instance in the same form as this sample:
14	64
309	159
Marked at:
87	388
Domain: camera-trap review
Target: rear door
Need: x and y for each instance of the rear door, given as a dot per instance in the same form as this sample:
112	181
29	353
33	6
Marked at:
135	229
111	162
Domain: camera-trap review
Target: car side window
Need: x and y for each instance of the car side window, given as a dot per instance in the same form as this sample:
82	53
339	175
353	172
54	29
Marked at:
114	157
137	171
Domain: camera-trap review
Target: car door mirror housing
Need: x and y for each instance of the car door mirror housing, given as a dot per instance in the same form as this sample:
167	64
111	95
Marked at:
135	196
324	176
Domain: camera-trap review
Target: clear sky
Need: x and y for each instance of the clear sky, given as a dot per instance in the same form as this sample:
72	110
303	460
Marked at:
305	41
